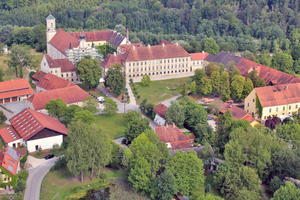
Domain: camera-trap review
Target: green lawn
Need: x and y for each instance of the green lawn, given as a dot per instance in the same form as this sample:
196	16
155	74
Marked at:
209	180
157	91
114	125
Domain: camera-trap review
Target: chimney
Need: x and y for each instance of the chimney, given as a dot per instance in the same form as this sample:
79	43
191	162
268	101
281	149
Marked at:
12	80
127	36
149	46
173	125
230	106
115	54
286	87
176	43
203	52
163	44
133	47
166	125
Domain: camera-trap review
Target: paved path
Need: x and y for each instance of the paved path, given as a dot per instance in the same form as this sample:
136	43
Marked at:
40	167
135	80
130	93
168	101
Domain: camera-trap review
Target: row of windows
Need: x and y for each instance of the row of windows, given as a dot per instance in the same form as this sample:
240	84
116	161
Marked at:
137	69
165	72
72	79
153	62
67	75
197	62
283	108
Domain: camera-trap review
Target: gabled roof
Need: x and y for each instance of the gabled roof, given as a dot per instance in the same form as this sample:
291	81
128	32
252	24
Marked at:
125	47
224	58
155	52
161	110
50	17
37	76
21	151
165	42
199	56
9	134
9	160
237	113
62	40
115	38
171	134
69	95
29	122
64	64
278	94
111	59
92	35
15	88
270	75
51	82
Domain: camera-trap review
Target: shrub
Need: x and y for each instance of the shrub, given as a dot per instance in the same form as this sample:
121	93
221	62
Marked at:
134	89
23	160
208	189
60	163
138	96
275	183
21	186
131	81
135	92
23	174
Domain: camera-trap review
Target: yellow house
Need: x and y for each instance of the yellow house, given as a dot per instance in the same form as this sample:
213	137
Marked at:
273	100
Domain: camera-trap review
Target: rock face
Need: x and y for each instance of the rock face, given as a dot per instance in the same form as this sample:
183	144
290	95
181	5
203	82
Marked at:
295	181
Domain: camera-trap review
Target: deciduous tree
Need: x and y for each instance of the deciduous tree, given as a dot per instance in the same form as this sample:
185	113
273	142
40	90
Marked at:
211	46
225	89
146	80
56	108
194	114
175	113
135	128
183	91
193	87
115	79
2	117
237	86
166	186
287	192
85	116
91	104
110	107
248	87
215	82
90	71
199	74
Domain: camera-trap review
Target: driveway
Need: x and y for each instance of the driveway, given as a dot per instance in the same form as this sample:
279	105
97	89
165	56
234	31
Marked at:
40	167
212	124
168	101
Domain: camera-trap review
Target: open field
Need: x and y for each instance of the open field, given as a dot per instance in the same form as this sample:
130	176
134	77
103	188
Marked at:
60	184
158	91
114	126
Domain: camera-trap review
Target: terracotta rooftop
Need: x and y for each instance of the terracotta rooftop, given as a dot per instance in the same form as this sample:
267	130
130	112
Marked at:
21	151
29	122
125	47
279	94
199	56
9	134
51	82
165	42
270	75
171	134
9	160
155	52
111	59
62	40
161	110
65	64
37	76
92	35
237	113
15	88
69	95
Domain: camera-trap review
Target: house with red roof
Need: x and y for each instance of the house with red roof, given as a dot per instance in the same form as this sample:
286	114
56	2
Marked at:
160	112
52	82
70	95
198	60
37	76
173	137
238	113
33	129
9	164
125	47
15	90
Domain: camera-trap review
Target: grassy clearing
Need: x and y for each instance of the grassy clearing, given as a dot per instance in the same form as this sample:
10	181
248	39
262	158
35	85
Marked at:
95	92
114	126
15	196
209	180
60	184
158	92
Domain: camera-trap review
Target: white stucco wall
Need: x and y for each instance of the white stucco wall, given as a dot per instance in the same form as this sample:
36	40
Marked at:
44	143
159	120
44	65
21	141
54	53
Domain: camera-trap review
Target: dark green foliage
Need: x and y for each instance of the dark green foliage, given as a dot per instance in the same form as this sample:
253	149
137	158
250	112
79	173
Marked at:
2	117
115	79
194	114
199	74
13	181
110	107
90	71
1	75
23	159
175	113
275	184
165	185
208	189
287	192
60	163
135	127
20	187
203	133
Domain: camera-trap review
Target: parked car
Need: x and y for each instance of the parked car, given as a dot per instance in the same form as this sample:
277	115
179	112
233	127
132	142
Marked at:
49	156
210	118
101	99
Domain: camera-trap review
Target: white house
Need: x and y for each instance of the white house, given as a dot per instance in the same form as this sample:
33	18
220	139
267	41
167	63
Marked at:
160	111
33	129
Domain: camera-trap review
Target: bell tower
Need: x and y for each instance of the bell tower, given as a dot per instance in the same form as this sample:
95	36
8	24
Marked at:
51	30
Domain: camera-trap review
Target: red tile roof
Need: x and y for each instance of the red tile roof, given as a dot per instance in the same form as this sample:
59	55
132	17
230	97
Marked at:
155	52
111	59
165	42
270	75
69	95
37	76
199	56
51	82
125	47
65	64
237	113
21	151
172	135
8	162
161	110
278	94
62	40
92	35
15	88
9	134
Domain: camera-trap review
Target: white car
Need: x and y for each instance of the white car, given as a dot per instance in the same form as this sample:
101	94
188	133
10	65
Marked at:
101	99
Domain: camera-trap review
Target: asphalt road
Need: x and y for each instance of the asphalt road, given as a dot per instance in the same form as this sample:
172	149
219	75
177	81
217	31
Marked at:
34	181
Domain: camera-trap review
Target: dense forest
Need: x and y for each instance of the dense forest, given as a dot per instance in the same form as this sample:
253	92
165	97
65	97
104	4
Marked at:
243	25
